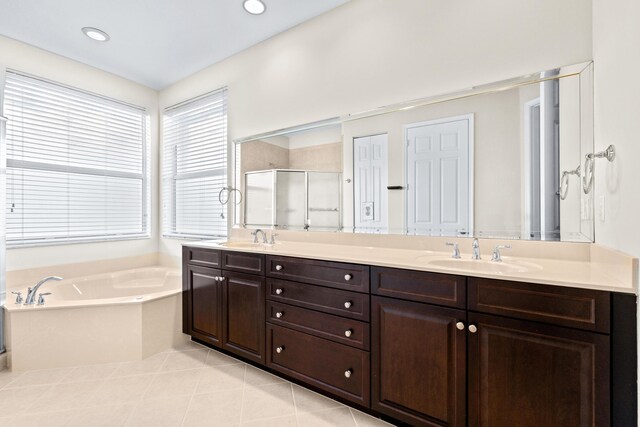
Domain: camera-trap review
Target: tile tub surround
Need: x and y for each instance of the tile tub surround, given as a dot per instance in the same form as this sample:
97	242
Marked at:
582	265
190	386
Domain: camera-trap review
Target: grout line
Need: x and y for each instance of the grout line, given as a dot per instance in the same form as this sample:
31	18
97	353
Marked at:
353	416
295	405
244	387
184	416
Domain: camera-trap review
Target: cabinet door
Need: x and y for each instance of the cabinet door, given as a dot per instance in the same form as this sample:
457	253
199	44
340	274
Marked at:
527	374
202	293
244	322
418	362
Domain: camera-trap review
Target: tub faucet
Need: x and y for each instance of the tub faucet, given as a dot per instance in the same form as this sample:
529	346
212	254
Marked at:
31	294
476	249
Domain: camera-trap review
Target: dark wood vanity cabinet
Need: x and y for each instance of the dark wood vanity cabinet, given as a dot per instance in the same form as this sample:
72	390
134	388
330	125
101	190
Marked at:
202	303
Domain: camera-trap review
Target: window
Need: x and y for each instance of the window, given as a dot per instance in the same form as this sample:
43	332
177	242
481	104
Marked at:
76	165
195	167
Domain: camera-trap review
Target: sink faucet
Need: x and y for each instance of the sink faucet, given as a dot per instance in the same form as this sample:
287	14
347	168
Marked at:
255	236
496	256
476	249
31	294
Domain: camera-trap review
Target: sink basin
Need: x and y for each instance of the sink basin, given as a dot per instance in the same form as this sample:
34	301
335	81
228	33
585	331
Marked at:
242	245
481	266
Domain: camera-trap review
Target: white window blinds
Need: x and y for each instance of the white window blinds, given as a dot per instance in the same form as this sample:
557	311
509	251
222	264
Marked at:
195	167
76	165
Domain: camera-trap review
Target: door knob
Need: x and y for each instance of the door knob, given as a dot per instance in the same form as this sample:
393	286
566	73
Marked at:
347	304
473	329
279	291
280	349
348	373
460	326
279	314
348	333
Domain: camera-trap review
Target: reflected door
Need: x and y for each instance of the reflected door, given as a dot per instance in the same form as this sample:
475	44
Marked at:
370	182
438	176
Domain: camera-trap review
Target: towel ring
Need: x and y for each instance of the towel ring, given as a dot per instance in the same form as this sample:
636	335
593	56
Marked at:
589	166
564	182
228	193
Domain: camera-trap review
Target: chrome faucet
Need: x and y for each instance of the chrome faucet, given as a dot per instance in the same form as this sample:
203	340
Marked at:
496	256
255	236
456	250
31	294
476	249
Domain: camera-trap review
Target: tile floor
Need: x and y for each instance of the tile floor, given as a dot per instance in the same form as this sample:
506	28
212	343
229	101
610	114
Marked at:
191	386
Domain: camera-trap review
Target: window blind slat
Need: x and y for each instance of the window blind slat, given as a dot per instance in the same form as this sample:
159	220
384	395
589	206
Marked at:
194	167
76	165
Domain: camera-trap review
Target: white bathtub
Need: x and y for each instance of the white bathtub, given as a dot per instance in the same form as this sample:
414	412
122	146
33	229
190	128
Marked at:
110	317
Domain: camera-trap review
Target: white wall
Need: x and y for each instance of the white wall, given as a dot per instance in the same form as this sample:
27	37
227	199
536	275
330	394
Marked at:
26	58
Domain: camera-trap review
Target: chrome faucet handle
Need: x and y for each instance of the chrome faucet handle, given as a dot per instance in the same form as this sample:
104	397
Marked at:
255	236
496	256
18	295
41	297
475	246
456	250
272	241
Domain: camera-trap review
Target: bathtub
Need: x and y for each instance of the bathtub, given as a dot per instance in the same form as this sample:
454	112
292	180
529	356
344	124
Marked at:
111	317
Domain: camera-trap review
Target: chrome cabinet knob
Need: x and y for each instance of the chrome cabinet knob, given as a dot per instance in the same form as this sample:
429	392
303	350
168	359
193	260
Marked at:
279	267
348	277
280	349
460	326
348	333
348	373
347	304
279	291
279	314
222	278
473	329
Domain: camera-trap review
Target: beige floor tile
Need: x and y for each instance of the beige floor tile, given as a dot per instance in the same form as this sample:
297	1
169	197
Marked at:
149	365
44	419
340	417
40	377
215	358
257	377
214	409
169	384
308	401
182	360
365	420
102	416
6	421
7	377
91	373
222	378
188	345
160	413
16	400
288	421
66	396
122	390
267	401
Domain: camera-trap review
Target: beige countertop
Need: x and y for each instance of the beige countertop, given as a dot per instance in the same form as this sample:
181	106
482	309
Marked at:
594	268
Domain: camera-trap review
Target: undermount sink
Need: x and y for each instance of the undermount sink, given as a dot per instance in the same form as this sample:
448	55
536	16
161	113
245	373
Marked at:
242	245
503	267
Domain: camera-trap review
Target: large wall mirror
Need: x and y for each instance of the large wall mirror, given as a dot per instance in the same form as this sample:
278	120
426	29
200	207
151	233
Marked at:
501	160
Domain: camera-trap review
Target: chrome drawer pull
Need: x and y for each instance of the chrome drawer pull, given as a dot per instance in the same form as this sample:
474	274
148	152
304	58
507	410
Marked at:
279	291
347	304
348	277
280	349
348	373
460	326
279	314
473	329
348	333
279	267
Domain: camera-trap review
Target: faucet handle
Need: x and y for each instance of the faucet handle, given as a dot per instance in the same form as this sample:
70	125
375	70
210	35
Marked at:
456	250
18	295
272	241
496	256
41	297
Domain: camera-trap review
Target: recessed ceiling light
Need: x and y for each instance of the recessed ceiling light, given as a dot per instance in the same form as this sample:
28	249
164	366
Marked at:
96	34
254	7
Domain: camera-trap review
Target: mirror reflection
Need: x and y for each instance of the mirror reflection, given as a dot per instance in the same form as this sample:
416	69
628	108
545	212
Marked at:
495	163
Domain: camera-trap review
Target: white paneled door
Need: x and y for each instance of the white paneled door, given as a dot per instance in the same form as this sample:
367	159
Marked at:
370	182
439	168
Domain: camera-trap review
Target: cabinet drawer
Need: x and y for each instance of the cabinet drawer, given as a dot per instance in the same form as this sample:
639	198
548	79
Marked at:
327	300
243	262
346	331
434	288
336	368
577	308
352	277
200	256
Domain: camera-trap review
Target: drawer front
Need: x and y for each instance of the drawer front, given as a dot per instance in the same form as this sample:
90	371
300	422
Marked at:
576	308
434	288
243	262
346	331
327	300
352	277
336	368
200	256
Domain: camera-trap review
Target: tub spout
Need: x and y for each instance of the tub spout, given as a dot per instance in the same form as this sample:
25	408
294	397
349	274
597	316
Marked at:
31	295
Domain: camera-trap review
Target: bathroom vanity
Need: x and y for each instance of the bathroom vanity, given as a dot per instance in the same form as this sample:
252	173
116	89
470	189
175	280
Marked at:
420	347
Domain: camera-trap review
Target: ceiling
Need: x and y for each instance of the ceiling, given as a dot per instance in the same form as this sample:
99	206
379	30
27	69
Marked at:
153	42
